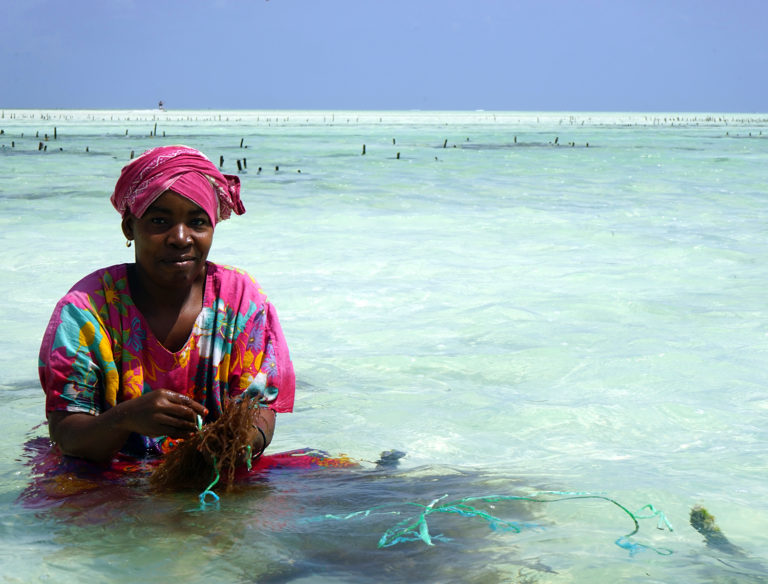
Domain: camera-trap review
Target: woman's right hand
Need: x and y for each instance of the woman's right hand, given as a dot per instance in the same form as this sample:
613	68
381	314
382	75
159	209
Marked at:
161	412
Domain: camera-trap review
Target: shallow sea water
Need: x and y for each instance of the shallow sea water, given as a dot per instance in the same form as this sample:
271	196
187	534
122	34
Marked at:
517	311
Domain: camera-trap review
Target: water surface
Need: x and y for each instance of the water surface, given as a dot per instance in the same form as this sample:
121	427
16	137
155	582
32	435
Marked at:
522	302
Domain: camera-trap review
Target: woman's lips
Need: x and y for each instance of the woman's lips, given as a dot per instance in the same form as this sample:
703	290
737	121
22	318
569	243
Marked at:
179	261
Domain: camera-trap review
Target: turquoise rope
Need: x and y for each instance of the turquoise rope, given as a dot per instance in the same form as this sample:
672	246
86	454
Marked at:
208	492
416	528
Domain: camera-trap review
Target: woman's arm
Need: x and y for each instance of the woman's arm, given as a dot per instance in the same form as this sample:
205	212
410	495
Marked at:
264	420
97	437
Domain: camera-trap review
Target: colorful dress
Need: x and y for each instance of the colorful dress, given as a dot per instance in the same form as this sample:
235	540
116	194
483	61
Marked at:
98	349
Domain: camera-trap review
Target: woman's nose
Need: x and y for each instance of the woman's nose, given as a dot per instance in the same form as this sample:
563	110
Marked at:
179	235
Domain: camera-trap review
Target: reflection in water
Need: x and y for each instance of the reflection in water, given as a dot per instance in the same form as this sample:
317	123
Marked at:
304	513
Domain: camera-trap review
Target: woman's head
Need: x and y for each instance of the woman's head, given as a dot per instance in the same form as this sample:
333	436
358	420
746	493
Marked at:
170	199
173	238
183	170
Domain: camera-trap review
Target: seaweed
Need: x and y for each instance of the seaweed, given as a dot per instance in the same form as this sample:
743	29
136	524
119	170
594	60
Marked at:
704	522
217	449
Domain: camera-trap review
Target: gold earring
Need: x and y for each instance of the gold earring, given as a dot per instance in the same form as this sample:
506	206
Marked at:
127	243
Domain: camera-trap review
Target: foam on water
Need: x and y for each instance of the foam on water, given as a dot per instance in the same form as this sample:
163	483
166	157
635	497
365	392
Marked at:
554	315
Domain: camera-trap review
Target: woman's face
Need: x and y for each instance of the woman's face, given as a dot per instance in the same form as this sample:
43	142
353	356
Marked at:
172	240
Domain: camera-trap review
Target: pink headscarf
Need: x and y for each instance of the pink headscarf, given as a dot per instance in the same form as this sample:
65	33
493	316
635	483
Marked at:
184	170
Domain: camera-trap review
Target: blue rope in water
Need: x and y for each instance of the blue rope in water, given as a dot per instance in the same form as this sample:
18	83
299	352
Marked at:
204	503
208	492
415	528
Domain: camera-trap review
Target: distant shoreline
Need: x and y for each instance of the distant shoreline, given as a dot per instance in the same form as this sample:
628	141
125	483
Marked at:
170	111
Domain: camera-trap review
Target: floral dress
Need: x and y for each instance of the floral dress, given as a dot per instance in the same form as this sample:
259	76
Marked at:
98	349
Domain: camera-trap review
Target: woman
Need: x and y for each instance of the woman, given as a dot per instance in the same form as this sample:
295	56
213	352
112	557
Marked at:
136	354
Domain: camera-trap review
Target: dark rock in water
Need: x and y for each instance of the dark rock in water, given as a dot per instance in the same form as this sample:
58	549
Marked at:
389	458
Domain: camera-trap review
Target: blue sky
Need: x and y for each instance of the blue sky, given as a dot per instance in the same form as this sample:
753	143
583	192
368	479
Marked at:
585	55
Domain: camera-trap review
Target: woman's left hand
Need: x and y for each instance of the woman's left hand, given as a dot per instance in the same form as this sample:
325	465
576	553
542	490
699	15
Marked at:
264	419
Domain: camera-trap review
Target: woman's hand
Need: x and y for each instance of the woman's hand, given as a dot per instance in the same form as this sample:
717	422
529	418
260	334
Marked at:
263	419
161	412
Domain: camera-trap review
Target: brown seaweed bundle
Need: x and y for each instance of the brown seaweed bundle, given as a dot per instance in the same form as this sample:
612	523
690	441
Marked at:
217	449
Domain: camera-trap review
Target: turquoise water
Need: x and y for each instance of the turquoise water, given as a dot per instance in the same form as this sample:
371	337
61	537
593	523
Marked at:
522	302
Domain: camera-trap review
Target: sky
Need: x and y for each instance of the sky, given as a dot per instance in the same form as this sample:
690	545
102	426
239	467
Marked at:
504	55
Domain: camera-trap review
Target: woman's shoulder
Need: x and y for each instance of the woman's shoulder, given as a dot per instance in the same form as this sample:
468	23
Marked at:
90	294
231	275
110	276
107	274
234	284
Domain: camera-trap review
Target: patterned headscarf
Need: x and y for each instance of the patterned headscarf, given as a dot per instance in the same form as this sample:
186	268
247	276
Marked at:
183	170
